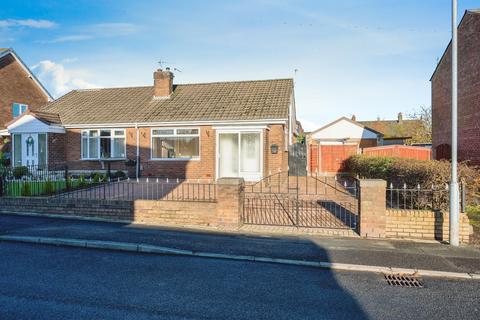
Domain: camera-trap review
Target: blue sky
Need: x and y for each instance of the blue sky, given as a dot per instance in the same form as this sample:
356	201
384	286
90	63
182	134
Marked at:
371	58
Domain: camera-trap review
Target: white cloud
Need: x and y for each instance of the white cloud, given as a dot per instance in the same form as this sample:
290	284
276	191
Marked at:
60	80
99	30
77	37
31	23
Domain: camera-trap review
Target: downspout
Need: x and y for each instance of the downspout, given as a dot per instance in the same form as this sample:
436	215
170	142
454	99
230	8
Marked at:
137	160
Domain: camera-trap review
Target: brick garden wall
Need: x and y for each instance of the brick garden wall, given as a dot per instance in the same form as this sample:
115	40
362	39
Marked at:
424	224
178	213
105	209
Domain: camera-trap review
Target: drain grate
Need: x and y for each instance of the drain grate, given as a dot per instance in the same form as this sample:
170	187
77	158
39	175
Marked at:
403	280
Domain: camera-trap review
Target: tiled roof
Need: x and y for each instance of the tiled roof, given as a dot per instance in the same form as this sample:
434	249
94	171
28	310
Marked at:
47	117
218	101
394	128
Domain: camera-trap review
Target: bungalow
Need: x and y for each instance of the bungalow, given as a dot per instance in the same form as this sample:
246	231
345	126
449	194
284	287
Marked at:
193	131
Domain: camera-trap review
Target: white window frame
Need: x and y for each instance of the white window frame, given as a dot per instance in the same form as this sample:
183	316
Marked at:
112	145
22	106
175	135
239	131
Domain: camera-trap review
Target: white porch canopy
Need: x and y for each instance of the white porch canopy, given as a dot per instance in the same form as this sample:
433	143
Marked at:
28	123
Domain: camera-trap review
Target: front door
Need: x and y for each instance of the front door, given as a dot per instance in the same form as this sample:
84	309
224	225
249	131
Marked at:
239	154
30	149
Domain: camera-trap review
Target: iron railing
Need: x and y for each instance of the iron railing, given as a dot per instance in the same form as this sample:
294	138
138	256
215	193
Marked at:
272	209
284	183
114	189
418	198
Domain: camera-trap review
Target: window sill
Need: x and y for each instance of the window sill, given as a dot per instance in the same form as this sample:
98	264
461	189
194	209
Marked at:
103	159
174	159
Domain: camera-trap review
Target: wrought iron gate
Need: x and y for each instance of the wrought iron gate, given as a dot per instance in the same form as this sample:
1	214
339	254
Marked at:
302	201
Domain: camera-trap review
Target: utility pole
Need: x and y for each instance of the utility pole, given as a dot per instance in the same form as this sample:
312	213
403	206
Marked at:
454	191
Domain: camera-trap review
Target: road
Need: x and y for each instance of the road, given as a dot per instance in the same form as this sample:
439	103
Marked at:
45	282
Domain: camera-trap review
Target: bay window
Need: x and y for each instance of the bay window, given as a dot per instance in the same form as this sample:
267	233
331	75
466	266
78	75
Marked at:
182	143
103	144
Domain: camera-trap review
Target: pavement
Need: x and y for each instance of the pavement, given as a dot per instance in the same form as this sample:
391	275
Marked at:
47	282
315	249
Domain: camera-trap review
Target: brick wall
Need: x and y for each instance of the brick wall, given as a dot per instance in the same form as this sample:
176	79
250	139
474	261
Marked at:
468	95
17	86
178	213
424	224
372	208
106	209
56	147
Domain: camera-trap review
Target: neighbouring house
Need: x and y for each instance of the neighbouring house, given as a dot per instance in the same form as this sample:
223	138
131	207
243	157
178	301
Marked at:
397	132
193	131
330	145
468	94
20	91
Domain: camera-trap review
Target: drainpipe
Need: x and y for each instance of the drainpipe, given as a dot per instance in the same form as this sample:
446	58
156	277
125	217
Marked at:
137	160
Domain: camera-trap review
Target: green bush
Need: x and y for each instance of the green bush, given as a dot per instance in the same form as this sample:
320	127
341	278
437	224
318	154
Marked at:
49	188
82	182
473	212
98	177
19	172
119	174
26	189
426	173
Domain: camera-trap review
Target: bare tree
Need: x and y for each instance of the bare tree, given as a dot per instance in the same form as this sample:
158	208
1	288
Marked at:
424	133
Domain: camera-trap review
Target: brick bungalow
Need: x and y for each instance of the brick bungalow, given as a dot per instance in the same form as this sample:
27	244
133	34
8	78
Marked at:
20	91
193	131
468	94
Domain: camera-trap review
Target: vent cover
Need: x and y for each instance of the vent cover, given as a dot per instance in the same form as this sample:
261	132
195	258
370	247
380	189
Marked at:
403	280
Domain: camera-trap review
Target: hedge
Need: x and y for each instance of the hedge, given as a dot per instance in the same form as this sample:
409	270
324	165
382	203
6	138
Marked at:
413	172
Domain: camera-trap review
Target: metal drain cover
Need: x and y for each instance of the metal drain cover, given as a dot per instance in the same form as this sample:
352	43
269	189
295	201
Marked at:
403	280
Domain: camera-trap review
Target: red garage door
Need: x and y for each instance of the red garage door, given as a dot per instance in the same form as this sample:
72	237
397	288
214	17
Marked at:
330	158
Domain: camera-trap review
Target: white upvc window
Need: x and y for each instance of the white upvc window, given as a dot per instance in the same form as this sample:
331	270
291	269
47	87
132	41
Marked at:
175	144
103	144
18	109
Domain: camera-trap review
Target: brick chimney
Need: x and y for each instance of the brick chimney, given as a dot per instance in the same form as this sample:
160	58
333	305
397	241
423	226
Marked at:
400	117
354	118
162	83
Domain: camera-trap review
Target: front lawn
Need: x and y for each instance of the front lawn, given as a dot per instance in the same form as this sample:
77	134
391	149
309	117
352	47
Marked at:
18	188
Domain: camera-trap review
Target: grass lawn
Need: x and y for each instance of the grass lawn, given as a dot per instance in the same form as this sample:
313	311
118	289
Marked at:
38	188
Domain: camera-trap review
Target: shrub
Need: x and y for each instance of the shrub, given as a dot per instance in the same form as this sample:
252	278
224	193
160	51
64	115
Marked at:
427	173
19	172
26	189
98	177
49	189
119	174
82	183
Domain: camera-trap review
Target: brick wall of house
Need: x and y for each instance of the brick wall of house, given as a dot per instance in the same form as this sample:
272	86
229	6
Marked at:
424	224
17	86
468	96
56	148
204	168
273	162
